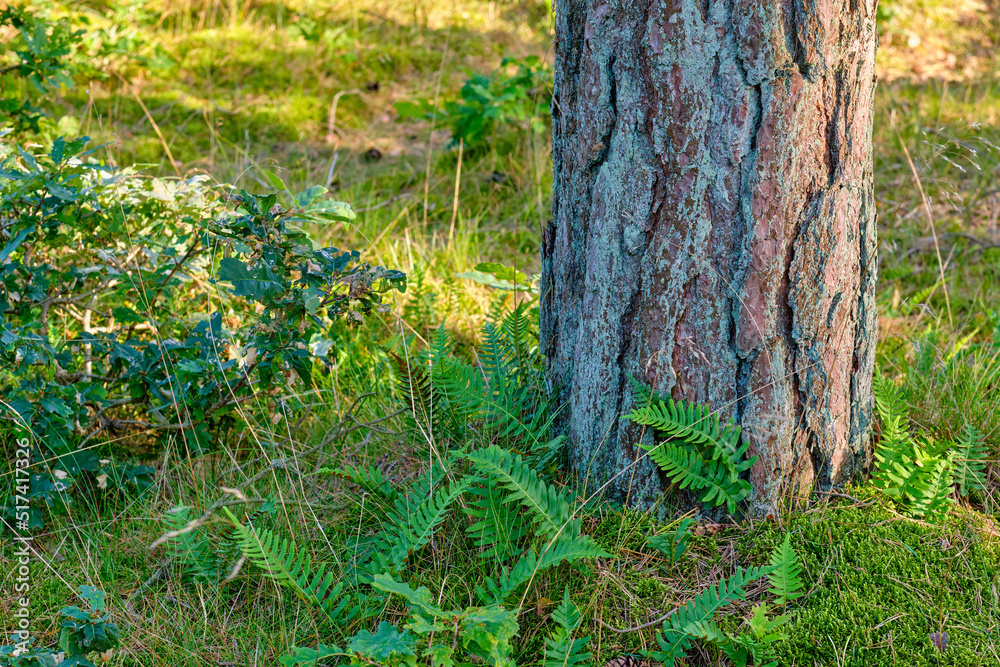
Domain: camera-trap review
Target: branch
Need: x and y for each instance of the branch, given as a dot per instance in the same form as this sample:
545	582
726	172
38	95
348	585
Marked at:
638	627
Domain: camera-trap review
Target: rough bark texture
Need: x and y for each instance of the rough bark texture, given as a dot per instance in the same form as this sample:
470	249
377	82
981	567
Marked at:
714	230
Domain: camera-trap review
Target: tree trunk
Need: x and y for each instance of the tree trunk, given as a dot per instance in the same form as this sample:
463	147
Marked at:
714	231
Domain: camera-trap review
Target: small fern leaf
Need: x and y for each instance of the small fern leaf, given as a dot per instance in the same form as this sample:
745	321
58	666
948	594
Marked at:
561	648
687	468
889	401
785	577
970	462
930	486
895	452
499	525
190	548
291	568
696	617
546	506
569	549
423	521
693	424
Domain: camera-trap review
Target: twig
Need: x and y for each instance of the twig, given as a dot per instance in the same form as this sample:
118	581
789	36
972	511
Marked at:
638	627
844	495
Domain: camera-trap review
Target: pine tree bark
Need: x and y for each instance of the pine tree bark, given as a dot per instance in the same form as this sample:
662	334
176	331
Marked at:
713	231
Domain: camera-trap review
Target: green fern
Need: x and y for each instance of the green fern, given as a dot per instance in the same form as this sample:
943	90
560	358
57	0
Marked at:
700	452
547	507
499	526
412	522
688	468
889	401
571	549
502	398
757	645
784	576
507	389
695	619
970	462
694	424
917	474
672	544
230	546
293	569
928	491
192	551
561	648
419	527
370	479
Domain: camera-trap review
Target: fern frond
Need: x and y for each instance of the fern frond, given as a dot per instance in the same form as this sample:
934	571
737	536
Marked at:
929	490
758	645
970	461
696	425
292	568
561	649
644	394
784	577
570	549
673	544
414	385
889	401
687	468
695	618
191	549
705	455
503	391
894	453
230	545
418	527
499	525
371	480
547	507
518	327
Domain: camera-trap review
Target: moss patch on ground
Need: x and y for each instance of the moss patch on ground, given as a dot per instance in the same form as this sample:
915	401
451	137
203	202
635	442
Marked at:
879	585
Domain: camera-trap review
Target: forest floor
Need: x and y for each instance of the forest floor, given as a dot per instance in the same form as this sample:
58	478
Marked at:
308	90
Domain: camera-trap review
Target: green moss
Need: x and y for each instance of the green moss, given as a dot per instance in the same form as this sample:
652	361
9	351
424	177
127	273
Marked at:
878	585
624	528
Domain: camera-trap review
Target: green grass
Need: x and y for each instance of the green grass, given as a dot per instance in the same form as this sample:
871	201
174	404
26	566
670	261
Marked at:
252	91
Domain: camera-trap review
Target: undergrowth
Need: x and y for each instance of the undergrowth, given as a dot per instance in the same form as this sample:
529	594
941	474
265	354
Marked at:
256	450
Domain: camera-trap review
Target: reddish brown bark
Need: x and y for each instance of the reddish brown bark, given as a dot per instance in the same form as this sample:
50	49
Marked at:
714	230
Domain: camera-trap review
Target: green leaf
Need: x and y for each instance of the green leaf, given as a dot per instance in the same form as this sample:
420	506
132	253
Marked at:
14	243
420	598
385	643
487	632
94	597
309	657
331	209
275	181
246	283
309	195
784	578
441	656
63	193
502	272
